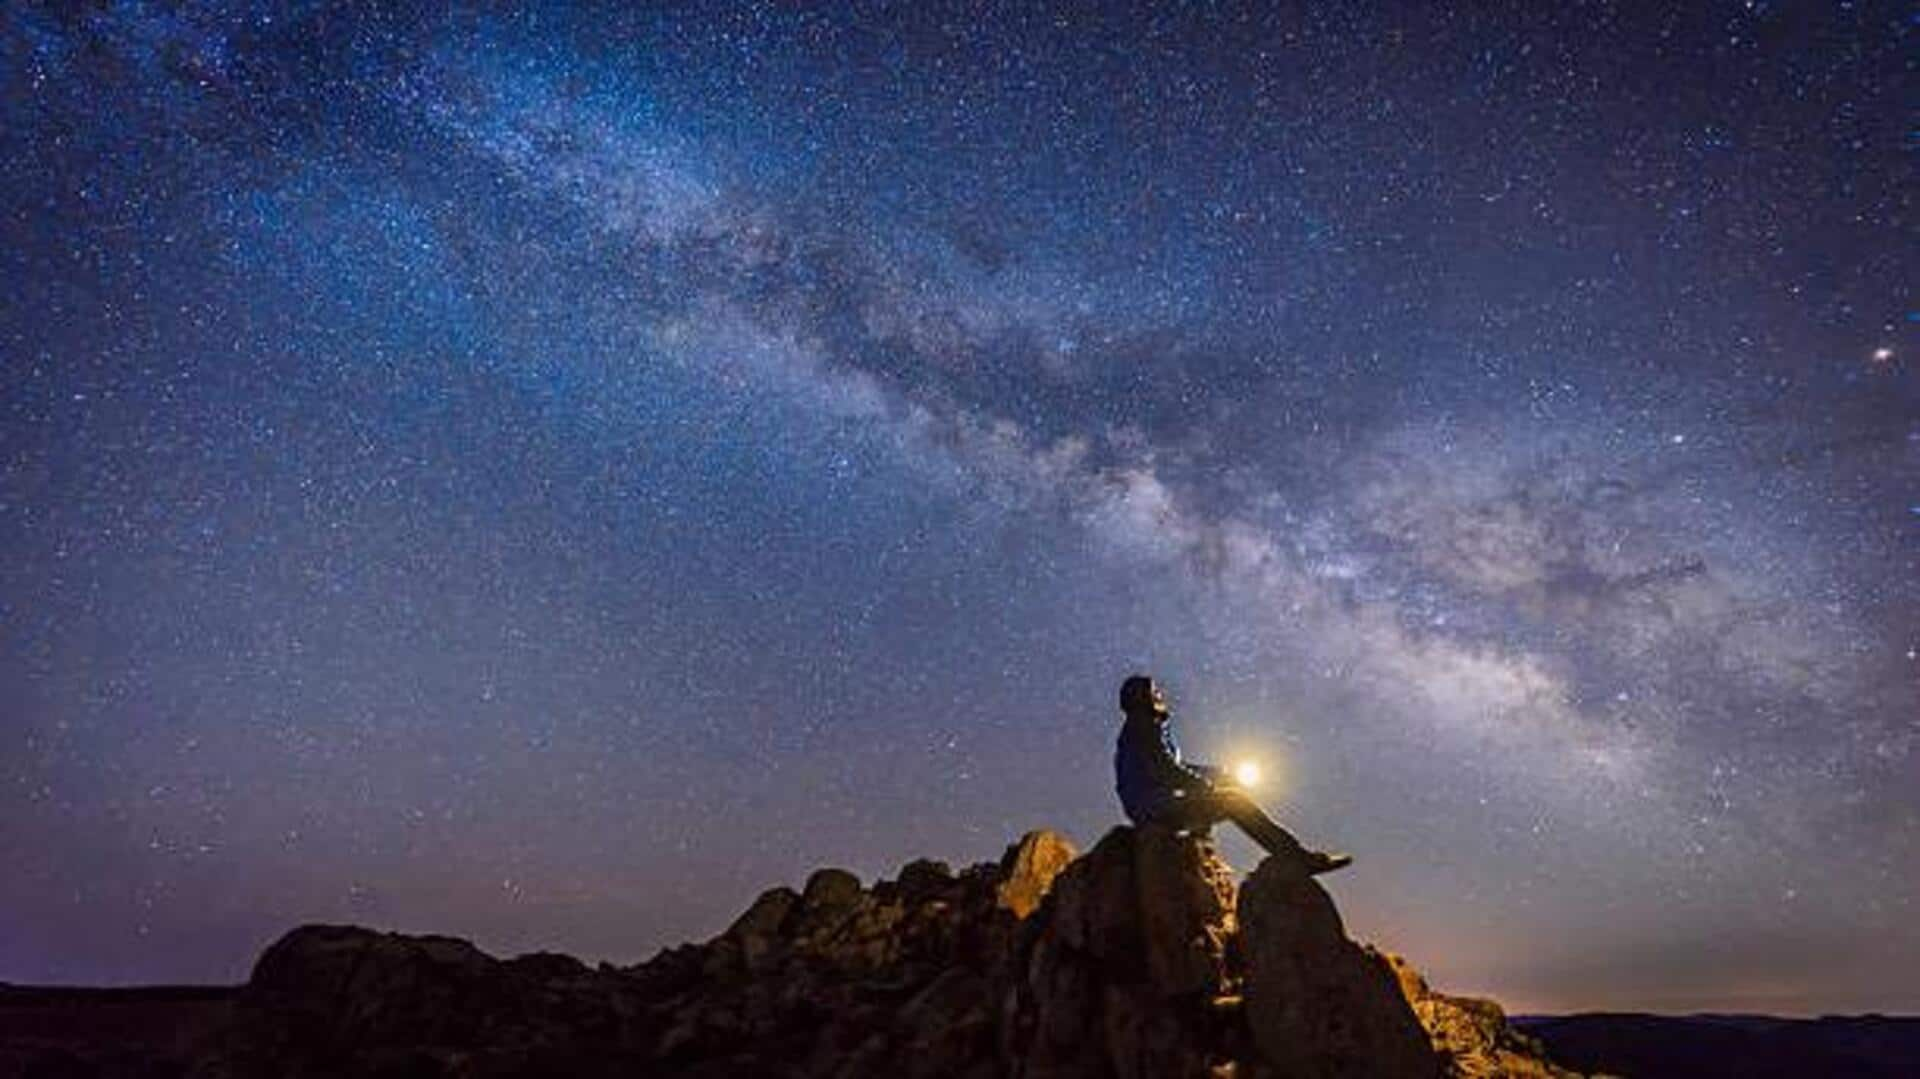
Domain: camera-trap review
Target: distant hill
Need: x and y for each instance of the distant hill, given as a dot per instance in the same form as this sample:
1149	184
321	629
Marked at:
1732	1046
69	1033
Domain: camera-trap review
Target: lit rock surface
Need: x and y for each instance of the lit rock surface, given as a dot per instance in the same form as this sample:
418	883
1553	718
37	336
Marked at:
1140	958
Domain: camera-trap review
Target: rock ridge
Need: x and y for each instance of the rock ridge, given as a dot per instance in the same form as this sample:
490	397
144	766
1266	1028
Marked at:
1139	958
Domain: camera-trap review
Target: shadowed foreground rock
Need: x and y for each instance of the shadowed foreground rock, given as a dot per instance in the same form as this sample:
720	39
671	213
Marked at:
1317	1003
1137	959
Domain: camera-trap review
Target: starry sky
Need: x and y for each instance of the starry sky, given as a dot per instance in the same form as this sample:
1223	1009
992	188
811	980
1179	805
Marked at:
547	478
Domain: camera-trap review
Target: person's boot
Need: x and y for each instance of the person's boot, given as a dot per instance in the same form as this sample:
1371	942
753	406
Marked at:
1316	862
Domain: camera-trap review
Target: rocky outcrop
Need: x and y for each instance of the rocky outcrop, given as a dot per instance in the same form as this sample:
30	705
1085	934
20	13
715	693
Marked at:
339	1000
1123	965
1472	1034
1140	958
1318	1004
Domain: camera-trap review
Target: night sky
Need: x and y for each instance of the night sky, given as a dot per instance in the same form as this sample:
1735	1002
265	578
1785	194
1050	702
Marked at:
547	479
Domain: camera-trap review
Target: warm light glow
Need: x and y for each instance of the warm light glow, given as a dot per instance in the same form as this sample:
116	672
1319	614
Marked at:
1247	773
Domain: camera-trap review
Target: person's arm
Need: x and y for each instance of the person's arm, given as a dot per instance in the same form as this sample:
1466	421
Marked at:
1214	774
1175	773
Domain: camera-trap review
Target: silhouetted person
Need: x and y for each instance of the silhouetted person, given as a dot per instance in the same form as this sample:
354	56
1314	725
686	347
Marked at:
1156	786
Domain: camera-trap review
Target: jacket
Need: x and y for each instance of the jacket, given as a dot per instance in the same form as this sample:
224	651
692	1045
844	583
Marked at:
1148	771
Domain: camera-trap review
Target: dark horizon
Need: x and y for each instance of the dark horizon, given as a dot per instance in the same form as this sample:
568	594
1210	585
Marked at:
545	479
201	989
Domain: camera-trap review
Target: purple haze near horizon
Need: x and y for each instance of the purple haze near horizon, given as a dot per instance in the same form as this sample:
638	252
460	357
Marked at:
546	479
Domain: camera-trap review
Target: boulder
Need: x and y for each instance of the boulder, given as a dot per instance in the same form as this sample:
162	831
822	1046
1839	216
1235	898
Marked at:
829	891
1028	868
1317	1004
1186	898
1122	961
923	879
756	936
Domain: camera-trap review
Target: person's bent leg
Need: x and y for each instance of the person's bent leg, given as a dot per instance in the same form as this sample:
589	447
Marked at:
1276	840
1259	827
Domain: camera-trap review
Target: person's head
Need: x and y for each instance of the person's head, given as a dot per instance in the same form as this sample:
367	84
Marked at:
1141	696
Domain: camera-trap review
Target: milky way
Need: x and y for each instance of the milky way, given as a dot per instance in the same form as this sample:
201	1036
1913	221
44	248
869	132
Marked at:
546	479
